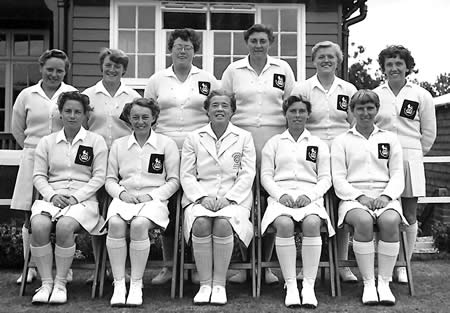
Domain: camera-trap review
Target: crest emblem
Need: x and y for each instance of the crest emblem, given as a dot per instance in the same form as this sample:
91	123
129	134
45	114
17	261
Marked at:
311	153
236	160
279	81
204	88
384	151
156	162
342	102
84	155
409	109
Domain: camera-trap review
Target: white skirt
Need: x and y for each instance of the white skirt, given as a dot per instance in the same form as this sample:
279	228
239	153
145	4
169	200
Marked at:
85	213
155	210
414	173
238	216
275	209
23	190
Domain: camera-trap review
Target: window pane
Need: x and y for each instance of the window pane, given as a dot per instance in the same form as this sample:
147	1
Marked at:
127	16
240	47
222	43
131	66
127	41
20	75
2	121
293	64
2	88
20	44
34	75
146	17
168	60
174	20
146	66
289	44
36	44
289	20
2	44
220	64
198	61
232	21
146	41
270	17
273	51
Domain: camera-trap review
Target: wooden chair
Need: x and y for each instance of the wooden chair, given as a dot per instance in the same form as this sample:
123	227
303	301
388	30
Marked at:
248	262
323	265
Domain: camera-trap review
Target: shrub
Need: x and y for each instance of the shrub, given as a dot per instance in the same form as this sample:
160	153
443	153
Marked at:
11	252
441	236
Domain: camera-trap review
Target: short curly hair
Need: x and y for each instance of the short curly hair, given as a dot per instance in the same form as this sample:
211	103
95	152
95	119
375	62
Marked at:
76	96
186	34
394	51
364	96
143	102
327	44
220	92
260	28
115	55
293	99
55	53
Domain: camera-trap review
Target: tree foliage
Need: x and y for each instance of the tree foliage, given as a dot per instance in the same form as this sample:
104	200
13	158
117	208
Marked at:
360	72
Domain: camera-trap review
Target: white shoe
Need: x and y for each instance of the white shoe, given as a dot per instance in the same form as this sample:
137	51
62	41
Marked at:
300	274
347	276
270	277
203	295
69	277
384	292
309	299
32	275
163	277
239	278
135	293
370	295
292	297
402	277
42	294
59	294
218	295
118	298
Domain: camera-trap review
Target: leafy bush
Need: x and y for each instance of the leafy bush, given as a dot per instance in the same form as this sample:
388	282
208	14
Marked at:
441	236
11	252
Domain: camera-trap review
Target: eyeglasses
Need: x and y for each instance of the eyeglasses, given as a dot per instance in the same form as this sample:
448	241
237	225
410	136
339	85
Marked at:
179	48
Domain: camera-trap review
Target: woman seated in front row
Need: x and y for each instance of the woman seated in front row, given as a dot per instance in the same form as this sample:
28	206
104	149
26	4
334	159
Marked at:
70	166
217	172
143	171
295	171
367	172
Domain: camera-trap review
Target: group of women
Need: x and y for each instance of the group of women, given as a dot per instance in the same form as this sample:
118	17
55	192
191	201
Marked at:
226	132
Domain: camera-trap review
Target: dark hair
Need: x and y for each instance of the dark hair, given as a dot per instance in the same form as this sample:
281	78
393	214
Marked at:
394	51
259	28
186	34
293	99
74	95
54	53
143	102
115	55
327	44
364	96
220	92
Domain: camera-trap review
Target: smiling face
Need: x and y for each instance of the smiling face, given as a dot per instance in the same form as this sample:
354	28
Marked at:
325	60
182	52
72	114
297	115
141	119
365	114
53	72
112	71
258	44
220	110
395	69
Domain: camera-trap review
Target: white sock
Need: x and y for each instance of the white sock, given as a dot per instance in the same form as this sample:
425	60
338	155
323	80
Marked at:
117	252
364	254
139	251
342	236
63	260
43	256
203	258
387	256
411	236
287	255
311	249
222	251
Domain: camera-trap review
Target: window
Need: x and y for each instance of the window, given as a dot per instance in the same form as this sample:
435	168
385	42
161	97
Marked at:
19	68
141	28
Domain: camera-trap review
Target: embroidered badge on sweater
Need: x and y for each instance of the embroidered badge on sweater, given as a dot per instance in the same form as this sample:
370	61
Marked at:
279	81
311	153
342	102
384	150
155	165
204	88
84	156
409	109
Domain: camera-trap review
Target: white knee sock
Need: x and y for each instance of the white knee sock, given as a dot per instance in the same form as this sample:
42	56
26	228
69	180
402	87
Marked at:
43	256
364	254
63	260
139	251
117	252
287	255
387	256
311	249
411	236
342	243
222	251
203	256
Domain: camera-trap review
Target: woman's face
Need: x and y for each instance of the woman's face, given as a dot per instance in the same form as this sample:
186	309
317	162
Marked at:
365	114
72	114
326	60
141	119
395	69
220	110
297	115
182	52
258	44
53	72
112	71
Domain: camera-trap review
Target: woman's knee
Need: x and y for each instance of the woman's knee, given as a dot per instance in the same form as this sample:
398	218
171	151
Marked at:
409	206
202	227
311	226
388	225
117	227
284	226
41	226
222	227
66	227
362	222
139	228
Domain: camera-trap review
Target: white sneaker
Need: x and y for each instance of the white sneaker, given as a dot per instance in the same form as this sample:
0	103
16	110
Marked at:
118	298
309	299
239	278
347	276
270	277
218	295
69	277
402	277
384	292
59	294
32	275
370	295
203	295
300	274
163	277
42	294
135	293
292	297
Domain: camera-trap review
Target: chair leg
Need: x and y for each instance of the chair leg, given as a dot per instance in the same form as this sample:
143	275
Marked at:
25	273
253	275
102	272
181	281
173	286
258	267
408	264
331	264
97	270
336	268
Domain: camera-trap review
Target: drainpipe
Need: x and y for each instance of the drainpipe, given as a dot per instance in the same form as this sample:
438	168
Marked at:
361	5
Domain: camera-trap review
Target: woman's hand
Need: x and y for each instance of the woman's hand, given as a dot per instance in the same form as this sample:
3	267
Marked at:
144	198
221	203
366	201
287	200
60	201
73	200
209	203
128	197
302	201
381	202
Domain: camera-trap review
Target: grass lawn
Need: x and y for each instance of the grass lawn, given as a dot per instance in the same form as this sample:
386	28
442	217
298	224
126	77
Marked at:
432	283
